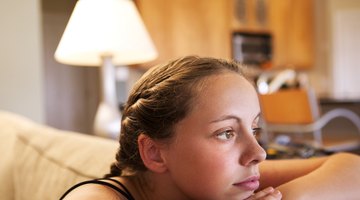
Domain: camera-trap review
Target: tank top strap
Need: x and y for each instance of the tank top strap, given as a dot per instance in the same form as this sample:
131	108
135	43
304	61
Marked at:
123	190
129	196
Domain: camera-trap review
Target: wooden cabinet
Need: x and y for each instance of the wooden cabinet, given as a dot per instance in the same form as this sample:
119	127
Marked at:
184	27
205	27
290	23
292	26
250	15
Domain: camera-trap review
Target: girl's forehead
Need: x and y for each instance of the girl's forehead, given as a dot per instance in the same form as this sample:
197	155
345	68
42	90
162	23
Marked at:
223	82
225	92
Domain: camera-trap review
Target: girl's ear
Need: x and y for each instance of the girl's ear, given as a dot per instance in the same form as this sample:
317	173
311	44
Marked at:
150	154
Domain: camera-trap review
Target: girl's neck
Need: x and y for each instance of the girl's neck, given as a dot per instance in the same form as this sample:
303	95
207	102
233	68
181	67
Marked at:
153	186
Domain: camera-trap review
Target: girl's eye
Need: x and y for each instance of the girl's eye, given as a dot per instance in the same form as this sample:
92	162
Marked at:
256	131
225	135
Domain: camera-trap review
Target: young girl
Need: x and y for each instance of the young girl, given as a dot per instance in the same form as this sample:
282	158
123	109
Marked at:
187	132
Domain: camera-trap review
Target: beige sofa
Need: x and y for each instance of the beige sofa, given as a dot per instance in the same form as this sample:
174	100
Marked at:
40	162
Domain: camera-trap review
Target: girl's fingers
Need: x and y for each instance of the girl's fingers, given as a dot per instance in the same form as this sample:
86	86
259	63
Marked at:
267	194
263	192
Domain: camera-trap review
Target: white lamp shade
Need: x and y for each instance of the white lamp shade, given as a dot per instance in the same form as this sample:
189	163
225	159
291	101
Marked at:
105	28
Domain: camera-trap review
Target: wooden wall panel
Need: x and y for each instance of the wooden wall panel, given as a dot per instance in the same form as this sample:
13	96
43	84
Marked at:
292	26
183	27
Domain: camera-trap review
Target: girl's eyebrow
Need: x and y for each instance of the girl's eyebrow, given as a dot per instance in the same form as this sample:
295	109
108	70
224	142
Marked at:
233	117
227	117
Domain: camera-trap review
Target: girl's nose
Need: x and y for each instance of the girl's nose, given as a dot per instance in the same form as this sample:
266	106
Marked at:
253	153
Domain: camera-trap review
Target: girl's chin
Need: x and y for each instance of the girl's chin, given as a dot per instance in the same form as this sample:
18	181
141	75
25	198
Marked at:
241	195
249	195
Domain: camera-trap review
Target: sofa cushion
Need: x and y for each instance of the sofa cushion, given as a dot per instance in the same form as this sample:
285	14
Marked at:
47	161
9	126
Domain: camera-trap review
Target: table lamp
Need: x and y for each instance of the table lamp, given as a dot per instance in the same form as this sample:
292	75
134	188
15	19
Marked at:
105	33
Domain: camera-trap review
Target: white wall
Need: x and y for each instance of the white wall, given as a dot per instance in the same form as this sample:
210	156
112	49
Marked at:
21	71
336	69
345	51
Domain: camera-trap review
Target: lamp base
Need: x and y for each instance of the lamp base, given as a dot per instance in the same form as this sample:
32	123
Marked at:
107	121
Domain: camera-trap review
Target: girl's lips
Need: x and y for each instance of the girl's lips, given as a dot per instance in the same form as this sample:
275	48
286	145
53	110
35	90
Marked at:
251	183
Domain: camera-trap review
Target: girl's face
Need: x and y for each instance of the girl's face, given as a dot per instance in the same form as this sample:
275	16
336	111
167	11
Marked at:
214	154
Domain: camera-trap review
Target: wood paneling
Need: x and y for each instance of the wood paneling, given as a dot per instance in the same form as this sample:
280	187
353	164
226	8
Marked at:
291	23
183	27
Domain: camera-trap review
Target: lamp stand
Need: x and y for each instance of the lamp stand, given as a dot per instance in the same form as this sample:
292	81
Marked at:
107	119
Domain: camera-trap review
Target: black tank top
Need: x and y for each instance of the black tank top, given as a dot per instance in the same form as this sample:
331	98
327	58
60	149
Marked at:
123	190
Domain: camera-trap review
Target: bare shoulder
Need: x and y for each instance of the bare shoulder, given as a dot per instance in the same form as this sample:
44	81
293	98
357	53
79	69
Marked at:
92	192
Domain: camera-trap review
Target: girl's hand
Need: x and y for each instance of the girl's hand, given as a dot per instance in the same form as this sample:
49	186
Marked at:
266	194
